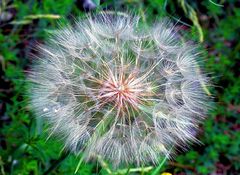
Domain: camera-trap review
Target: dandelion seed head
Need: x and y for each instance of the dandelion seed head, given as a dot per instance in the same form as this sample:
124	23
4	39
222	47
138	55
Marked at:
109	89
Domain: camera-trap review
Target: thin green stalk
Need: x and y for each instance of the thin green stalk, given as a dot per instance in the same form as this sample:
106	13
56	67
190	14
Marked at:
156	171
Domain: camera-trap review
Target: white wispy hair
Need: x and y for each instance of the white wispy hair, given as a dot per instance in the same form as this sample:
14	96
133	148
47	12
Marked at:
110	89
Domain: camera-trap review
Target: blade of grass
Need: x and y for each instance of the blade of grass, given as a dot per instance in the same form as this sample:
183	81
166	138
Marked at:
46	16
100	128
192	15
157	170
56	163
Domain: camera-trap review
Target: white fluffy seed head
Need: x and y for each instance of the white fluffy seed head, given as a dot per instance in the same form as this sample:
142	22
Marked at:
112	90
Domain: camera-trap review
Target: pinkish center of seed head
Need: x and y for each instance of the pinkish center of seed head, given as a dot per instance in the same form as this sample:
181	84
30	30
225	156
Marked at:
121	92
120	88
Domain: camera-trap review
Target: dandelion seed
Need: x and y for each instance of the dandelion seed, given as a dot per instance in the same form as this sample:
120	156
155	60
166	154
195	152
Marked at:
45	109
111	90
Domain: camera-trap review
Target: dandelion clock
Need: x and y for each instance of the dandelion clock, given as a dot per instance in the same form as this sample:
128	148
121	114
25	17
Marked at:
110	88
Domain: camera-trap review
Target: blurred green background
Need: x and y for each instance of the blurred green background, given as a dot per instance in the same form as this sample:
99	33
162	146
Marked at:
24	149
